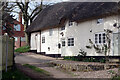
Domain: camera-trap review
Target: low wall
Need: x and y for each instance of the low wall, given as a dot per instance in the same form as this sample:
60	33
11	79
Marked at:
84	67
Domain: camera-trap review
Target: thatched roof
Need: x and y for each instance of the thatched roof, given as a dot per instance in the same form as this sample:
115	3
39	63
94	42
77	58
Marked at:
73	11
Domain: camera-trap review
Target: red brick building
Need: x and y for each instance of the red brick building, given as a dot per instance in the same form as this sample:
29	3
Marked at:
17	32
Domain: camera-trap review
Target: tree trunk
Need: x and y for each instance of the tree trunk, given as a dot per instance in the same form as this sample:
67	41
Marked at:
26	34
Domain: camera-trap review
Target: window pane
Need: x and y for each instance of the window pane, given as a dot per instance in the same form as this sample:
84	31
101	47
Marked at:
68	44
103	41
96	42
103	34
96	35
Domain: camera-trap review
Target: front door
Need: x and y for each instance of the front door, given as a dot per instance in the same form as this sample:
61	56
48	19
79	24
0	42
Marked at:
115	44
63	46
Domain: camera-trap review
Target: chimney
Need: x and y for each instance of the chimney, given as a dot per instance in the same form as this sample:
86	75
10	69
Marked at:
20	17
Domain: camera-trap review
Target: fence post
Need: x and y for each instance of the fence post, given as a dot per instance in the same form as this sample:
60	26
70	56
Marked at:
13	53
6	36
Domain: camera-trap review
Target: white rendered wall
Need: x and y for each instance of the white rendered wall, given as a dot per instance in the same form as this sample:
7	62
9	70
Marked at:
50	41
81	34
35	41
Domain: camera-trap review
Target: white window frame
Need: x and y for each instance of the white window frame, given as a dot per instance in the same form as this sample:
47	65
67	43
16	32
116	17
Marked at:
63	42
43	39
70	23
71	41
100	21
99	39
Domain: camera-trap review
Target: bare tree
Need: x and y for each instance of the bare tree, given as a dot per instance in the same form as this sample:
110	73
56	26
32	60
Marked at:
29	12
6	19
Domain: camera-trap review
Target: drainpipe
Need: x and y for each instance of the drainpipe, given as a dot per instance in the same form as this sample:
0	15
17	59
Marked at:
20	41
40	40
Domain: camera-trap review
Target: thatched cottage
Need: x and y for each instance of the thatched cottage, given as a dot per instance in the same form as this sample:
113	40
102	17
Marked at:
71	28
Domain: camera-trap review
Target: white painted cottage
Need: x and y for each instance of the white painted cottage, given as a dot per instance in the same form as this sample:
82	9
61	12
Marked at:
65	28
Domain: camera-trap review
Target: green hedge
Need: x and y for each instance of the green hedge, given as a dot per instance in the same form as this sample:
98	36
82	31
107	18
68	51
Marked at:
84	59
23	49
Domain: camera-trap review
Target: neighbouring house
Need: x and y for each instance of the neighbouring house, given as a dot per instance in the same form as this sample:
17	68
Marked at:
65	28
15	29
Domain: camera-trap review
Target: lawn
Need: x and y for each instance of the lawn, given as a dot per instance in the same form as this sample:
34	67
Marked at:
37	69
14	75
23	49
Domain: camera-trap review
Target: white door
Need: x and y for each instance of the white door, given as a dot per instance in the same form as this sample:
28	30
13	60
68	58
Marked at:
63	46
115	44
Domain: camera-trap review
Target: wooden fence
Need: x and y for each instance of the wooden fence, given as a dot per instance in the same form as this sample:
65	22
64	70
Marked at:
7	51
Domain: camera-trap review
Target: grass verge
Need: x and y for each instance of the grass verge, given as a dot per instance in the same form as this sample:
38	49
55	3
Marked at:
23	49
37	69
14	75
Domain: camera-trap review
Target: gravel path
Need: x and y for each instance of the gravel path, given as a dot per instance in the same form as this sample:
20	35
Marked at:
41	61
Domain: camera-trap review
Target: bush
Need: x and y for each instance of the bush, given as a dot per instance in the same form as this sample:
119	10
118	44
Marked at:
23	49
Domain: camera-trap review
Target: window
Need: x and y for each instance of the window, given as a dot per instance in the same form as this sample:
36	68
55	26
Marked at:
17	27
70	41
50	32
63	42
23	39
70	23
4	28
100	38
43	39
63	28
99	21
16	38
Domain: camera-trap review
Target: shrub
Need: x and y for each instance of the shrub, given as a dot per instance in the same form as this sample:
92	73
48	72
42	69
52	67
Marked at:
23	49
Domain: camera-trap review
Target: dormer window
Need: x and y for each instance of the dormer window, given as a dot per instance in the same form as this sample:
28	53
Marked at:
70	23
62	28
99	21
17	27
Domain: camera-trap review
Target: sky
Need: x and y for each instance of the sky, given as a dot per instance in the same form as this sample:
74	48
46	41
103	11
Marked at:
56	1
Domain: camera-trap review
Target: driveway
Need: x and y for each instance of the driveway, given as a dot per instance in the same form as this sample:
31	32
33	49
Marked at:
42	61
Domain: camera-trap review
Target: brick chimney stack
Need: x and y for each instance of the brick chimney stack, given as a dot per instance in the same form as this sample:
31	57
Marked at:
20	17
